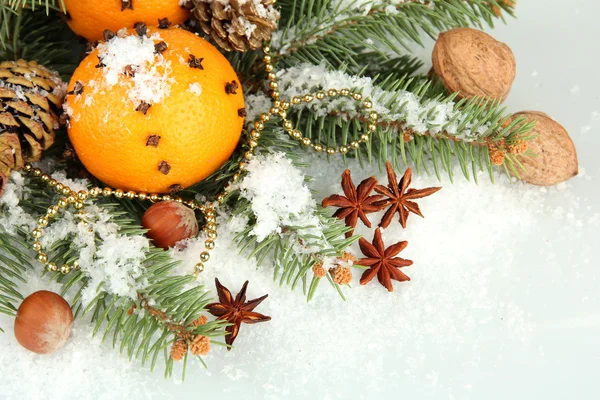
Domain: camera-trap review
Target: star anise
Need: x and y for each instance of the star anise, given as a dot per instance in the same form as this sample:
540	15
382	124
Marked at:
356	204
399	198
236	311
383	262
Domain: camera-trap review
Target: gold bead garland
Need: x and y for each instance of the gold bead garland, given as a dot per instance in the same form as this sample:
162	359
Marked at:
279	108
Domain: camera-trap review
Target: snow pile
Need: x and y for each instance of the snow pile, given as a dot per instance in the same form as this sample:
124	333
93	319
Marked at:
279	196
112	261
429	117
12	216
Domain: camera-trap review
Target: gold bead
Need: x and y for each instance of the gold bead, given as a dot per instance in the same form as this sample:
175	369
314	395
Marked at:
27	167
266	49
285	105
354	144
364	137
199	267
252	143
209	212
76	265
178	200
308	98
273	85
332	93
37	172
82	195
191	204
287	124
107	192
210	218
65	269
345	92
320	95
42	257
211	235
296	100
204	256
372	127
357	96
52	211
255	134
95	191
267	58
373	115
67	191
318	147
367	104
271	76
37	246
59	187
296	134
220	198
330	151
283	114
52	183
119	193
130	195
343	149
36	233
52	267
166	197
269	67
236	177
248	155
154	197
63	202
274	110
209	244
142	196
265	117
45	177
43	222
275	94
211	226
242	166
306	141
78	205
259	125
277	104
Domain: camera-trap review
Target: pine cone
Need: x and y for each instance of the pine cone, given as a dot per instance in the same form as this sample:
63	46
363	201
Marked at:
31	97
238	25
179	349
341	275
201	320
200	345
318	270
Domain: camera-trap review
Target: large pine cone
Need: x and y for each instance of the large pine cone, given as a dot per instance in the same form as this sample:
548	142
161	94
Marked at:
237	24
31	97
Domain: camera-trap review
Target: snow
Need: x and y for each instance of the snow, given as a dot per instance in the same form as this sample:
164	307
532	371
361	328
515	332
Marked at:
195	88
152	79
430	117
278	194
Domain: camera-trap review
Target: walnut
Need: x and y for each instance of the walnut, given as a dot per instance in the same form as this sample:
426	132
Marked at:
555	157
473	63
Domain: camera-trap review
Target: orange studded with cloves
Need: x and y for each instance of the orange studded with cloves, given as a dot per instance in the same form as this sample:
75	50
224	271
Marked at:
153	110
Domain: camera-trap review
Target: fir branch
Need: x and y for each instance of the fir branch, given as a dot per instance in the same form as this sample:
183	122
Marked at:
14	263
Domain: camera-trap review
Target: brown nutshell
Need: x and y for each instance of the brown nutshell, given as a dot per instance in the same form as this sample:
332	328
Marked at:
555	157
2	183
474	64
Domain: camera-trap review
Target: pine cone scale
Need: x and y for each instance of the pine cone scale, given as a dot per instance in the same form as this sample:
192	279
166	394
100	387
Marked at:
236	25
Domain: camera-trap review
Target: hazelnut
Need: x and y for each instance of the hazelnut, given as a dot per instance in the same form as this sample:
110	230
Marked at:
555	159
474	64
43	323
169	222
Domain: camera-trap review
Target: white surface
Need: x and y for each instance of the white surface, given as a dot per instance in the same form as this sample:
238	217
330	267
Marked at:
503	301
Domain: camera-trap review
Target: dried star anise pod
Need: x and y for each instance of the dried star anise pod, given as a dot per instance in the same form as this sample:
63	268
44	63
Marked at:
399	197
236	311
383	262
356	204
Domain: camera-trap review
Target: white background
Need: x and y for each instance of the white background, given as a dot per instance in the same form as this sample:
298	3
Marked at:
503	301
